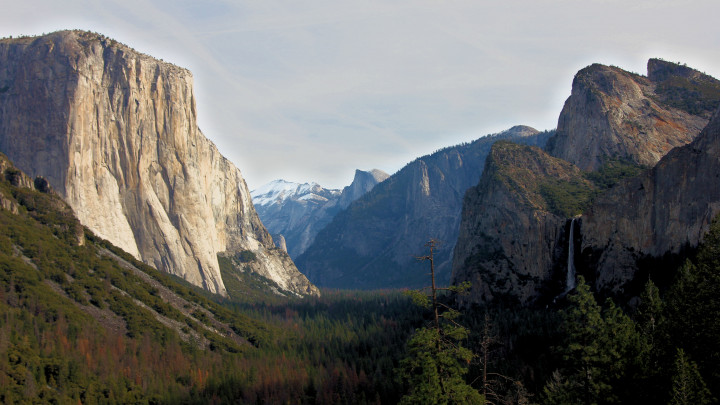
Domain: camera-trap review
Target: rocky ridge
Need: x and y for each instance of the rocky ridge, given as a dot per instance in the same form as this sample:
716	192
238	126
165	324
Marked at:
115	133
612	122
511	233
297	212
612	113
373	243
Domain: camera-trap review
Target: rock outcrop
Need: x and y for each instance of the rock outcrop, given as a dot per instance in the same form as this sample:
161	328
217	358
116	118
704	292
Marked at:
297	212
373	243
514	241
280	243
661	212
614	114
115	134
362	183
512	231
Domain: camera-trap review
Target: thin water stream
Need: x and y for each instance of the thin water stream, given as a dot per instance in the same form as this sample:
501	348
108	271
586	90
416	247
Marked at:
570	280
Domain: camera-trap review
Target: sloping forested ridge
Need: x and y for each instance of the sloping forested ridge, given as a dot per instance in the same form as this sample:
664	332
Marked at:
83	322
82	319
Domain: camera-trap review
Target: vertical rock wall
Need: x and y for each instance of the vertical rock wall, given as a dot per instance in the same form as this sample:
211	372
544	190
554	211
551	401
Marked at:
115	132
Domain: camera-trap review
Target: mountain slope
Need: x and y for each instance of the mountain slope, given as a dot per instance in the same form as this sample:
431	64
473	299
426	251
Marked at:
115	133
296	212
513	223
83	319
612	113
373	243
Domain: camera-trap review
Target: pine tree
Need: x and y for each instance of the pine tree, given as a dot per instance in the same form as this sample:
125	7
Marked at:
648	384
688	386
436	362
693	308
649	313
599	344
583	324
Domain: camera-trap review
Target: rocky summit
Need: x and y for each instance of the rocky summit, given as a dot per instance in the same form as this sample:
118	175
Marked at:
115	133
612	113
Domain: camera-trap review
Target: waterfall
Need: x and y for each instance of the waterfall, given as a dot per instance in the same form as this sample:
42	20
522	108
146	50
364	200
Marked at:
570	281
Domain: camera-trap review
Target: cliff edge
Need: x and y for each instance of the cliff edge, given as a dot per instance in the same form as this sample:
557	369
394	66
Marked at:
115	133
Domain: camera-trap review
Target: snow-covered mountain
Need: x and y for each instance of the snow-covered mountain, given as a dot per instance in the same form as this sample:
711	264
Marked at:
299	211
281	191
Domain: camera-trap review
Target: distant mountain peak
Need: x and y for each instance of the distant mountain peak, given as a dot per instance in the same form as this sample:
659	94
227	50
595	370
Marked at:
298	211
377	174
521	130
363	182
280	191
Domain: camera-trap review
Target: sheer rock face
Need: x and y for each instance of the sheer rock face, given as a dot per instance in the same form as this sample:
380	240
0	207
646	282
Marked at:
115	133
662	211
280	243
509	237
612	113
362	183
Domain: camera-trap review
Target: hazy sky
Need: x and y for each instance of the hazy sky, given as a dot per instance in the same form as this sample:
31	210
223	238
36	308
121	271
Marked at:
312	90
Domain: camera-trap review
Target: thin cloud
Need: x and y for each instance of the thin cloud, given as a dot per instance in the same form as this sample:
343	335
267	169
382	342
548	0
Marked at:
310	91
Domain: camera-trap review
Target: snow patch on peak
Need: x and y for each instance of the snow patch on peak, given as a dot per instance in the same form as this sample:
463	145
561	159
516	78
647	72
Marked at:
280	191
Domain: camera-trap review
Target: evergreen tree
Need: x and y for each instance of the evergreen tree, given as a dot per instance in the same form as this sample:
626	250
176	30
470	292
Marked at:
435	366
688	386
436	361
649	313
598	346
560	390
693	308
647	366
583	325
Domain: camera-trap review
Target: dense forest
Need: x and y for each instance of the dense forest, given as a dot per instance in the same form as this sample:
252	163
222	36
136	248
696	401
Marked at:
83	322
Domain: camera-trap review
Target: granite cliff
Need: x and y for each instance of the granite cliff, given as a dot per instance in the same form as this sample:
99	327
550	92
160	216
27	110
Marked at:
514	236
662	212
373	243
115	133
612	113
513	223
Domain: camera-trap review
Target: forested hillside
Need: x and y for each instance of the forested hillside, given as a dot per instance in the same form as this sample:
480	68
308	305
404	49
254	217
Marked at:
82	321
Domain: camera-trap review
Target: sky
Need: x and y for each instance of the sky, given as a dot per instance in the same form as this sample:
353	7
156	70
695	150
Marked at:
309	91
